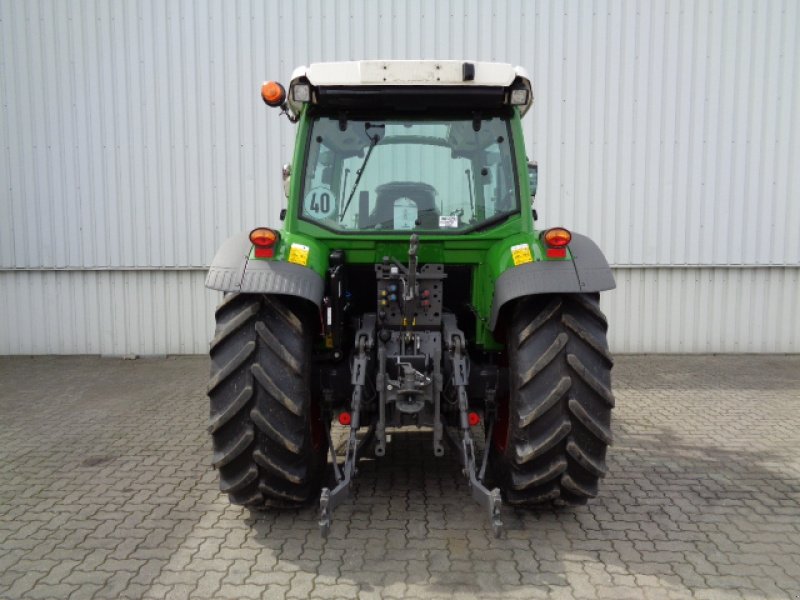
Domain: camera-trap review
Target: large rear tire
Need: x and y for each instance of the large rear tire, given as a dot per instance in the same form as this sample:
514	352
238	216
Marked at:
269	444
549	445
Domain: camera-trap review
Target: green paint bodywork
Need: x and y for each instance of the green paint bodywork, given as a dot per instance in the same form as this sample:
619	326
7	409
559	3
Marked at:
487	251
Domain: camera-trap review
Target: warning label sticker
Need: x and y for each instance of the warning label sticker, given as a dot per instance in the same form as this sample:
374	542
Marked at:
298	254
521	254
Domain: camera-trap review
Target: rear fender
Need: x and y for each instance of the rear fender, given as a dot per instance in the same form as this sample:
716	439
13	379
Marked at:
588	271
232	270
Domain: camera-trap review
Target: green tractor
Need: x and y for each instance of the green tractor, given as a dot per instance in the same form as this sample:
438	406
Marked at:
409	286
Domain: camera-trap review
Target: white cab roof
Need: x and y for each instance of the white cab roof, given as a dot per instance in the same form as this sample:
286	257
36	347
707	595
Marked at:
411	73
408	72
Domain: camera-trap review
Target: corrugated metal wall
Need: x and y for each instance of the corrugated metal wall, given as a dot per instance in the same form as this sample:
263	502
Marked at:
133	142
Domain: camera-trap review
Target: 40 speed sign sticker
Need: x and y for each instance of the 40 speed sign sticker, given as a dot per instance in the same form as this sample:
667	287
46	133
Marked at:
320	203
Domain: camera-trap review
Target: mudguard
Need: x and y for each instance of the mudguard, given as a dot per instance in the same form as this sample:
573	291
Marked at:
233	271
588	271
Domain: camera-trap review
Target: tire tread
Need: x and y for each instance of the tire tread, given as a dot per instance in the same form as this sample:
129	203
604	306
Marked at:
560	403
260	413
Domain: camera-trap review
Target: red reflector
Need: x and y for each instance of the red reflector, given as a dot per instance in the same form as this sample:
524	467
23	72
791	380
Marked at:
473	418
556	253
345	418
264	252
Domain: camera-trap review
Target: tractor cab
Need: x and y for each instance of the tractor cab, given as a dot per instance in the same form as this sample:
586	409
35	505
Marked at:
408	146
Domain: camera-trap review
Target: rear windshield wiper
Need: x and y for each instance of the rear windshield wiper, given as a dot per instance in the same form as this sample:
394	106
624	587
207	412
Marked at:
373	141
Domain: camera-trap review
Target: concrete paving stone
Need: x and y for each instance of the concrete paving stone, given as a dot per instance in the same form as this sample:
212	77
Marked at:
87	591
175	578
157	591
149	571
394	590
83	577
365	577
160	553
60	571
180	591
336	590
618	592
115	585
301	585
228	553
59	590
26	564
208	584
712	594
651	568
267	578
208	549
238	572
10	558
20	584
657	593
702	497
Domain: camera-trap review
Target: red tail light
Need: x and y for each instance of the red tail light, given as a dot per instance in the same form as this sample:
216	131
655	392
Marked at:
264	239
557	237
